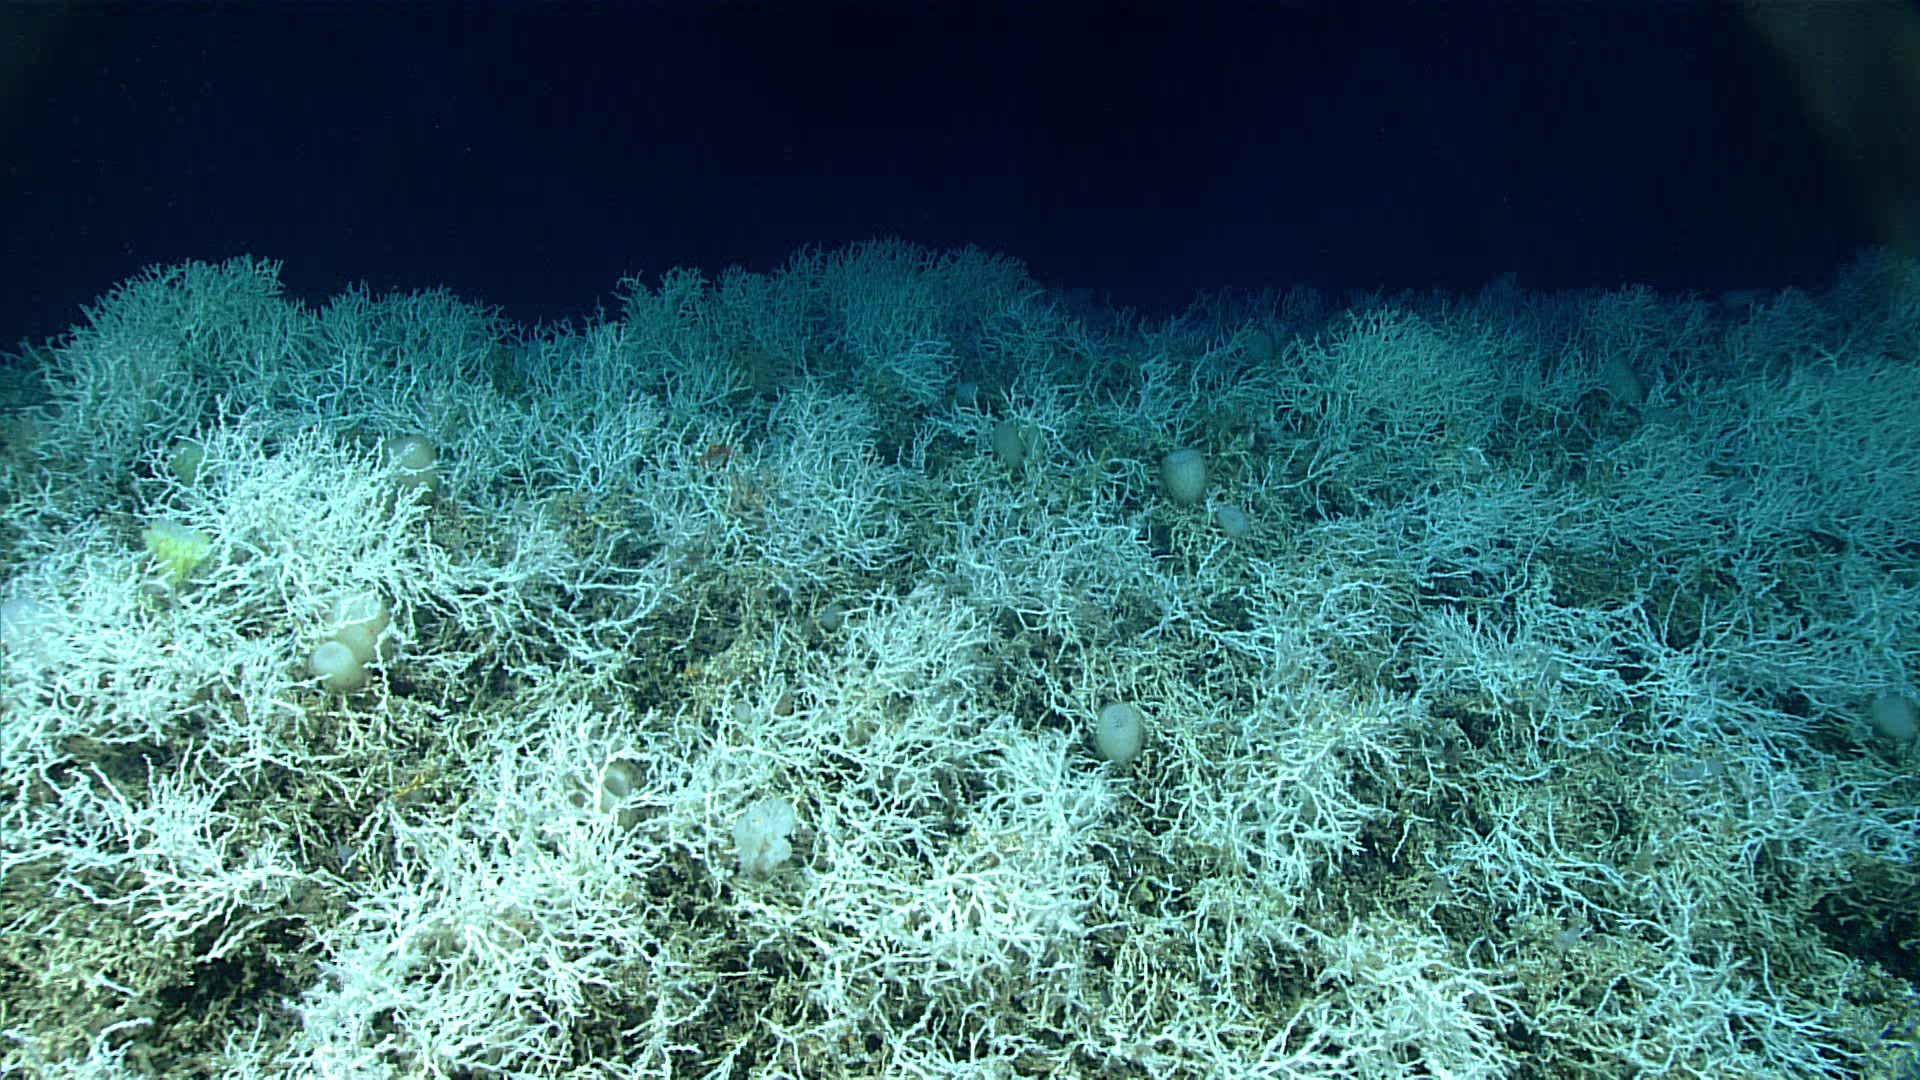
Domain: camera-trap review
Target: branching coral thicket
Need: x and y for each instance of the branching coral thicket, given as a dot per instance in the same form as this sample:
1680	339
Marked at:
1542	720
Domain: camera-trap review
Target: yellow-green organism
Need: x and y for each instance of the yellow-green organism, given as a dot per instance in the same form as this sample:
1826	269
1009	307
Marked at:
176	548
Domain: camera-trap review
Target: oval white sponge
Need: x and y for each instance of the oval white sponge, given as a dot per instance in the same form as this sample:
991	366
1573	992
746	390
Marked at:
414	461
1120	732
359	622
338	668
1184	474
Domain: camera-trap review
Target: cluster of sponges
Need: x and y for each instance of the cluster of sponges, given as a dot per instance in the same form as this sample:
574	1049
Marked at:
360	621
359	637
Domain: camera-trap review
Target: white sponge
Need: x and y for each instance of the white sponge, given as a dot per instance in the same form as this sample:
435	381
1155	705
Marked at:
760	836
337	667
1120	732
360	623
359	638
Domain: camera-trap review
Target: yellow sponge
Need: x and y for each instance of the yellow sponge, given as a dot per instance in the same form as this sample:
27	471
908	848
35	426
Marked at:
176	548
